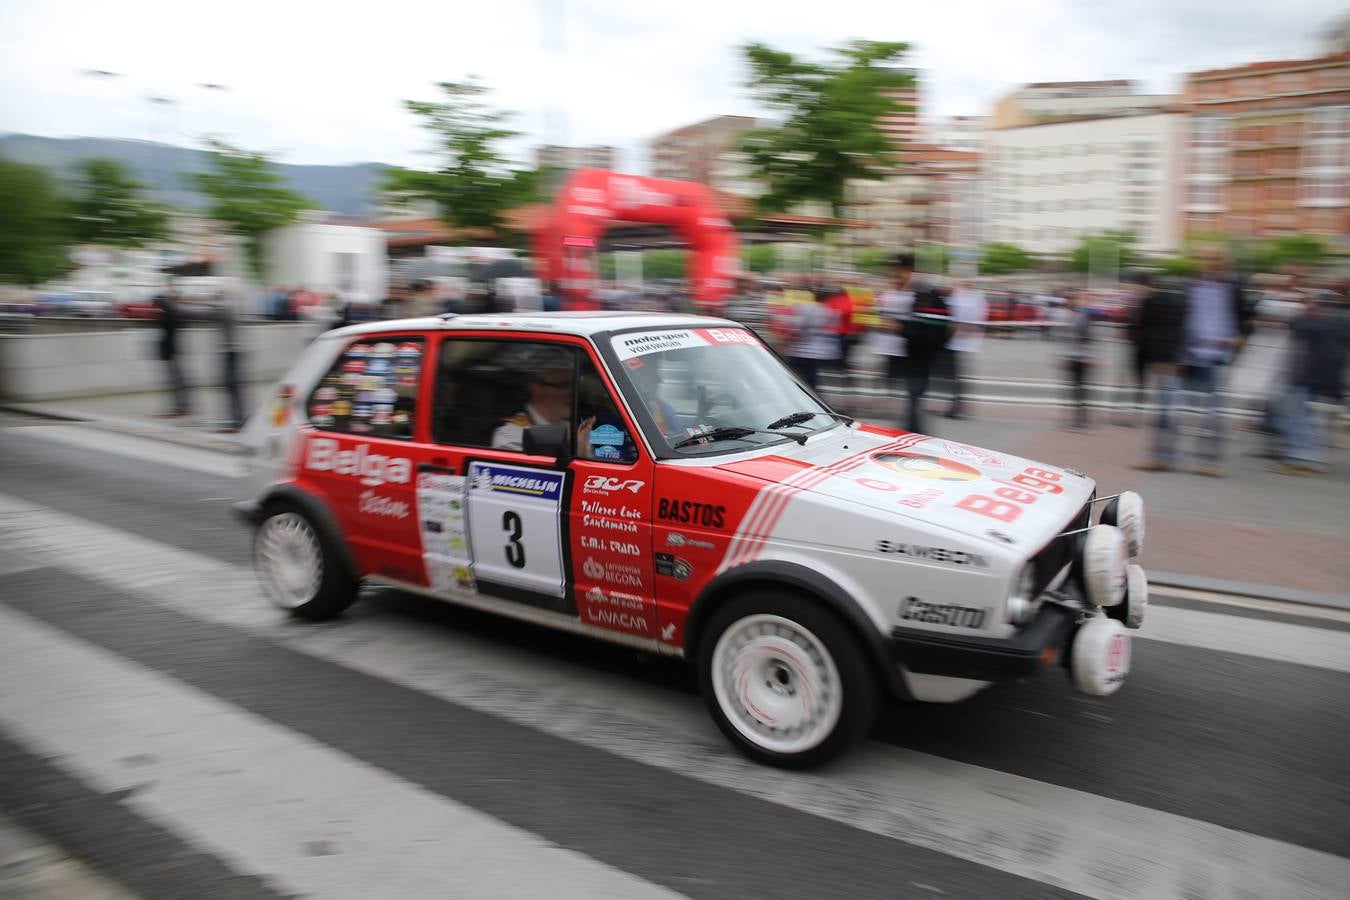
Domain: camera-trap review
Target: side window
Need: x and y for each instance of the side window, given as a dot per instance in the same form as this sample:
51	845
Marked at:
371	389
489	391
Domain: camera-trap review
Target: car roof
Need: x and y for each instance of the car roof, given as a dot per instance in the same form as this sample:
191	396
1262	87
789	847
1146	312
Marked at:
581	323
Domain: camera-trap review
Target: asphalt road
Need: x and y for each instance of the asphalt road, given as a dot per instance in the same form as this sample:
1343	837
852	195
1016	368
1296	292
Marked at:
160	724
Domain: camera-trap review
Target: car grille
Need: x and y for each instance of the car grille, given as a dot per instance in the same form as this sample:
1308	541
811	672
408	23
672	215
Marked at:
1060	551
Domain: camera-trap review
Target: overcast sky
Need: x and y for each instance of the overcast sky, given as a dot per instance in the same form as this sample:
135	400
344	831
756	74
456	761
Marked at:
322	82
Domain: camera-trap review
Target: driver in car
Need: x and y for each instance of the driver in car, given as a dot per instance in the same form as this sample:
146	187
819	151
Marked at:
550	403
646	375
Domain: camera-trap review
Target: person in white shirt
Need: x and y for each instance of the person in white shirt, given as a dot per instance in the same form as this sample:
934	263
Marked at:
893	308
969	311
550	403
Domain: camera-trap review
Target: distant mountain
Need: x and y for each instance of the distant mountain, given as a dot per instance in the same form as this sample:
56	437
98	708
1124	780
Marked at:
351	190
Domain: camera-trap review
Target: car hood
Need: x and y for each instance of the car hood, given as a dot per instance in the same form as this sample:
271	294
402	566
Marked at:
984	494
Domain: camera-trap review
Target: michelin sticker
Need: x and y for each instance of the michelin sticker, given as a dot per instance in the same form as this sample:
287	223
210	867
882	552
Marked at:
513	480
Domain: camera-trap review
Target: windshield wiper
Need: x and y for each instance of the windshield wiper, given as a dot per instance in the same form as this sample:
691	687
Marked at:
731	432
798	418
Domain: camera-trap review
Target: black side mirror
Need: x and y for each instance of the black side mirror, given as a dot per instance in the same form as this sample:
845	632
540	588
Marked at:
548	440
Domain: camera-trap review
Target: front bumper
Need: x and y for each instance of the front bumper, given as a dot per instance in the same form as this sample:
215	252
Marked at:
987	659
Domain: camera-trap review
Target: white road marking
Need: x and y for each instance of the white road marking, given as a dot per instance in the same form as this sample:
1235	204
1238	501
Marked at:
1303	644
144	449
1073	839
308	819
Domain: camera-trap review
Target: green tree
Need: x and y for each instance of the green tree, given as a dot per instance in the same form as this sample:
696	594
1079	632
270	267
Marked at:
830	133
931	258
1109	249
1306	249
33	225
664	263
760	258
1000	258
1178	266
247	196
472	184
109	208
874	260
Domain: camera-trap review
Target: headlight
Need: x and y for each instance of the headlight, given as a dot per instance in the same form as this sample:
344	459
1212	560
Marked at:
1126	512
1022	602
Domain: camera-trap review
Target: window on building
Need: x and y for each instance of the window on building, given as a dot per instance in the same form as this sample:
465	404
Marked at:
371	390
1323	190
1202	195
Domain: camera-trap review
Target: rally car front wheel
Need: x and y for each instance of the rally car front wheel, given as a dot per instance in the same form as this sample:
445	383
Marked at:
785	679
298	567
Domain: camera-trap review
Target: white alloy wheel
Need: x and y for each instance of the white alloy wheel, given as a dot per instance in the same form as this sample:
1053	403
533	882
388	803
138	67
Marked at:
777	684
289	560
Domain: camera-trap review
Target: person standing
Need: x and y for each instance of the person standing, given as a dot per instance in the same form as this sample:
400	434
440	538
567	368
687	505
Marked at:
893	307
1320	336
926	331
170	323
224	312
969	310
1214	323
1078	352
845	329
814	341
1154	332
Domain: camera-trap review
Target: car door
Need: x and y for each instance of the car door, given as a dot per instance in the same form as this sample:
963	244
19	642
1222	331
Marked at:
494	522
610	513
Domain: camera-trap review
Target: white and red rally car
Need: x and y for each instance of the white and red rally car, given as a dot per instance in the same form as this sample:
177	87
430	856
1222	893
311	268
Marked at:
667	483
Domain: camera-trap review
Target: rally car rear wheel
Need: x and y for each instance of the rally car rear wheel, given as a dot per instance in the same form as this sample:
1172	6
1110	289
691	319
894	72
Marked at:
785	680
299	571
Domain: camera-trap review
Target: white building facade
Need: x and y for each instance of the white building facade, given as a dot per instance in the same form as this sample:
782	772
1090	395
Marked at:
338	259
1049	185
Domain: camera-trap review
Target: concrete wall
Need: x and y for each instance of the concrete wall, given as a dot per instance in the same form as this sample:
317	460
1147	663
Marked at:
40	367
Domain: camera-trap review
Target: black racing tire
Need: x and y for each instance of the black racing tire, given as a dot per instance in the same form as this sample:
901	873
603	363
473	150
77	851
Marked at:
299	565
763	656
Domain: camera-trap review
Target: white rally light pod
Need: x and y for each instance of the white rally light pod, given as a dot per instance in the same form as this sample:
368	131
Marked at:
1136	595
1103	565
1126	512
1099	659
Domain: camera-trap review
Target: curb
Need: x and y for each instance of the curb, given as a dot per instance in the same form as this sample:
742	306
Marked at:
136	427
1246	589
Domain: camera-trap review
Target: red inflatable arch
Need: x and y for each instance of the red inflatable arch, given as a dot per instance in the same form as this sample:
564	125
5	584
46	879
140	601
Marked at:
567	241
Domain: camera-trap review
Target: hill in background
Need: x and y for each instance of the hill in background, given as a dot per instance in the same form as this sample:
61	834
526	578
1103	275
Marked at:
350	190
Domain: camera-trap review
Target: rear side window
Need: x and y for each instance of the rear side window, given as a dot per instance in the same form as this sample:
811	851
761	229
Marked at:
371	390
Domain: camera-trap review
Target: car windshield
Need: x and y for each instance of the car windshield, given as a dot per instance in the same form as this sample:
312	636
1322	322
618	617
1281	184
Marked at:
714	390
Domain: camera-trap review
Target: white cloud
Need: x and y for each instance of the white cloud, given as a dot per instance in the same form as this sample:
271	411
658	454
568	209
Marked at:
323	82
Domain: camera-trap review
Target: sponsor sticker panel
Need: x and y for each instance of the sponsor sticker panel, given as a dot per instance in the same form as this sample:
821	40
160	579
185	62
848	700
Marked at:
441	501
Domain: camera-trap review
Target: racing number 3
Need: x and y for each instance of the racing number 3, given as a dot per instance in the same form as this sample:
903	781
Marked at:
515	550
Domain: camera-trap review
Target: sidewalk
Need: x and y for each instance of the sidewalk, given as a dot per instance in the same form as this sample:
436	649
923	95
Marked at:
136	414
1254	532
